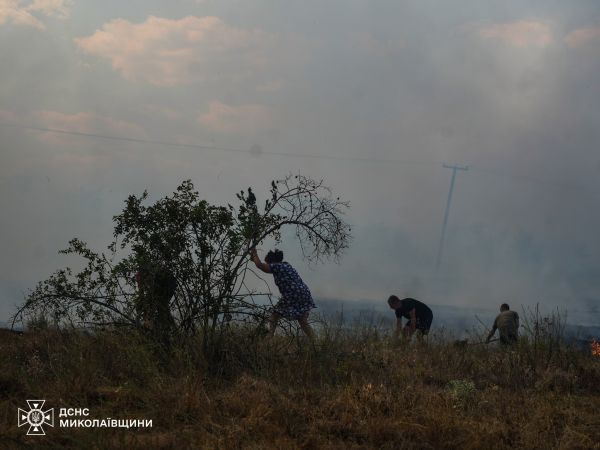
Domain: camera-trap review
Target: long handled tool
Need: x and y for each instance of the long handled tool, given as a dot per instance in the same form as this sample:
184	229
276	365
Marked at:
465	342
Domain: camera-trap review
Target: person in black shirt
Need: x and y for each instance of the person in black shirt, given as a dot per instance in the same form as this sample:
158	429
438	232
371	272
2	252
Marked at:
156	286
418	314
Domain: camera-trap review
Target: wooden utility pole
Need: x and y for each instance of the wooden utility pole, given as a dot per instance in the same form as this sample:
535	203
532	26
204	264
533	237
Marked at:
441	246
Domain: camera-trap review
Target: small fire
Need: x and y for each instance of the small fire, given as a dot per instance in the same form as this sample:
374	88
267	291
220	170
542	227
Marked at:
595	347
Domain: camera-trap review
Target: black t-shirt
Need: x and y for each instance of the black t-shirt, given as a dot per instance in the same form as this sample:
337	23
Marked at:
165	284
422	311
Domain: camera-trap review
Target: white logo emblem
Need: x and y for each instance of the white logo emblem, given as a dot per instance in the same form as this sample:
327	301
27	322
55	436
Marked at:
35	417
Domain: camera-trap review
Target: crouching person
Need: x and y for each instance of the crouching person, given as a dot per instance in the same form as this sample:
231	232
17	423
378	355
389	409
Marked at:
418	314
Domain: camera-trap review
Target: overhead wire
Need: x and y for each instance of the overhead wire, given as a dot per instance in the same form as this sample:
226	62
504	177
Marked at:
258	151
251	151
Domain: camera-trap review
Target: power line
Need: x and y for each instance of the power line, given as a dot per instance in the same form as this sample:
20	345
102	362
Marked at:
254	150
122	138
528	179
257	151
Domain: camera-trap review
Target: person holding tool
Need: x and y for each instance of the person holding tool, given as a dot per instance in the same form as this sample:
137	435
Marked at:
507	323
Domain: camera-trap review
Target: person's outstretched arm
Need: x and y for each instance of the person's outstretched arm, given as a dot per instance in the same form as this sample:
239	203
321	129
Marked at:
492	332
413	321
260	264
409	330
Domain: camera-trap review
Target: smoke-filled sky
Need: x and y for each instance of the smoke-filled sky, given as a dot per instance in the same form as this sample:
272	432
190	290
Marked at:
376	94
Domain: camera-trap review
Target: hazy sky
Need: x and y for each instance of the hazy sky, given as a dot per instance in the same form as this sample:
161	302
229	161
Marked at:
509	88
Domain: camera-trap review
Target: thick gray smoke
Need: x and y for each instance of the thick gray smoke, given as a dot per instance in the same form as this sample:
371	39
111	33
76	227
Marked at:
377	96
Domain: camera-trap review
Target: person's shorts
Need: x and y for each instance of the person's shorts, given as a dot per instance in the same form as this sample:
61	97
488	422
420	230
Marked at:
423	324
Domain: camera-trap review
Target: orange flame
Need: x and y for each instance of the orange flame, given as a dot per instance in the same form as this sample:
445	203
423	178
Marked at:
595	347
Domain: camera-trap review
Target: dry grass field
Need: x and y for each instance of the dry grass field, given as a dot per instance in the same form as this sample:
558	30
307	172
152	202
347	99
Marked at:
353	389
